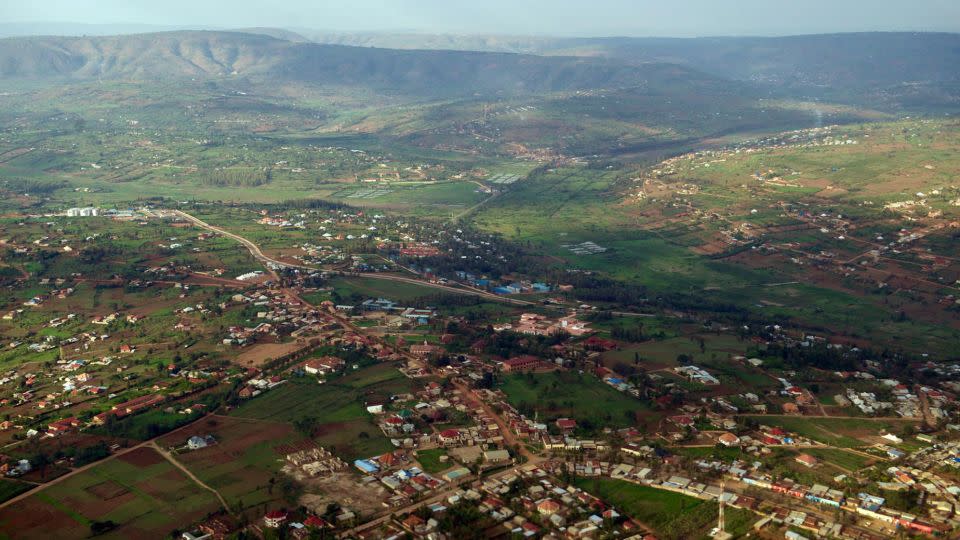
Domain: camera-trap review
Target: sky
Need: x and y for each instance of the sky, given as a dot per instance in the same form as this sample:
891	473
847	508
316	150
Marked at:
681	18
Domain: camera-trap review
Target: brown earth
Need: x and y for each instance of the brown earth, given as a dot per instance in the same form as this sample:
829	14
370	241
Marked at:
259	354
142	457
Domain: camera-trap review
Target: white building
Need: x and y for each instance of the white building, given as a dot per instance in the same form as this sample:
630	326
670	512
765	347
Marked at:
87	211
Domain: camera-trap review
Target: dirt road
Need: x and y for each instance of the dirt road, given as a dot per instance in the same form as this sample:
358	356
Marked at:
145	444
173	461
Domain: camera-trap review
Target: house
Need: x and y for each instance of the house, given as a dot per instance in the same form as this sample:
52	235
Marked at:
275	518
496	456
566	425
449	436
314	522
425	349
806	460
323	365
197	442
63	426
520	364
548	507
729	439
129	407
366	466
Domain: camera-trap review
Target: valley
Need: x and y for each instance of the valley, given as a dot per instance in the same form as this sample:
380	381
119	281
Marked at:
254	285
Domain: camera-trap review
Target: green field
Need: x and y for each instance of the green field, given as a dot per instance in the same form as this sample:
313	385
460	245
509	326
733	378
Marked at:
845	460
11	488
708	452
672	515
145	500
337	408
430	460
583	397
246	456
840	432
361	288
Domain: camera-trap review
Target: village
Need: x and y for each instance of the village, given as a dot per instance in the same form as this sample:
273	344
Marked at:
454	432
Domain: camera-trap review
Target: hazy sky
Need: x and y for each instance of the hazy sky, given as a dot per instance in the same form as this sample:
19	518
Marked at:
554	17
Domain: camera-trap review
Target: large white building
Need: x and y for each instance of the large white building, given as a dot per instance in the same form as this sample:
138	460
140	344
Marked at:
87	211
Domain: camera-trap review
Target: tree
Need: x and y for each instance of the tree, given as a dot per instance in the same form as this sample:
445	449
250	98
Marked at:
100	527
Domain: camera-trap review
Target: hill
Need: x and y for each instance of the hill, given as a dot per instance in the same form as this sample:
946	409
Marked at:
898	68
260	57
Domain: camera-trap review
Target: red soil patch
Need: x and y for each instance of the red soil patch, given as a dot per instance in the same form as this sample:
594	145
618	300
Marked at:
326	429
258	354
284	449
34	519
142	457
106	490
233	435
100	508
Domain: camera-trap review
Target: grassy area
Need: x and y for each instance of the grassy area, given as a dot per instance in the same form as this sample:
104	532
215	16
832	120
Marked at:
145	496
398	291
247	454
568	394
708	452
430	460
11	488
336	409
845	460
672	515
840	432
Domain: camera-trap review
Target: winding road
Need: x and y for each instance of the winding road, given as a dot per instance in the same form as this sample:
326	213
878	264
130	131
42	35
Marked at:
271	263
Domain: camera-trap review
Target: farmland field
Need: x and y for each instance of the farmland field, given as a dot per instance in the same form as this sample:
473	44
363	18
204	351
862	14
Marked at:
841	432
337	408
245	456
11	488
143	494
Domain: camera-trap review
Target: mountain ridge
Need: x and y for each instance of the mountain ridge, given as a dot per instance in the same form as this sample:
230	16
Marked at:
213	54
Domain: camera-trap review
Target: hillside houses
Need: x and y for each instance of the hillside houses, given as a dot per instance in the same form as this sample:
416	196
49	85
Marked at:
127	408
324	365
697	374
540	325
524	363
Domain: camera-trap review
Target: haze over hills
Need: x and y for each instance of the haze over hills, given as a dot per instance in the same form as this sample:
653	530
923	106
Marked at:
223	54
813	63
886	70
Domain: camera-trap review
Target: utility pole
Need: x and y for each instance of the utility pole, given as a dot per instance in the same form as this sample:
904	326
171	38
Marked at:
720	520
